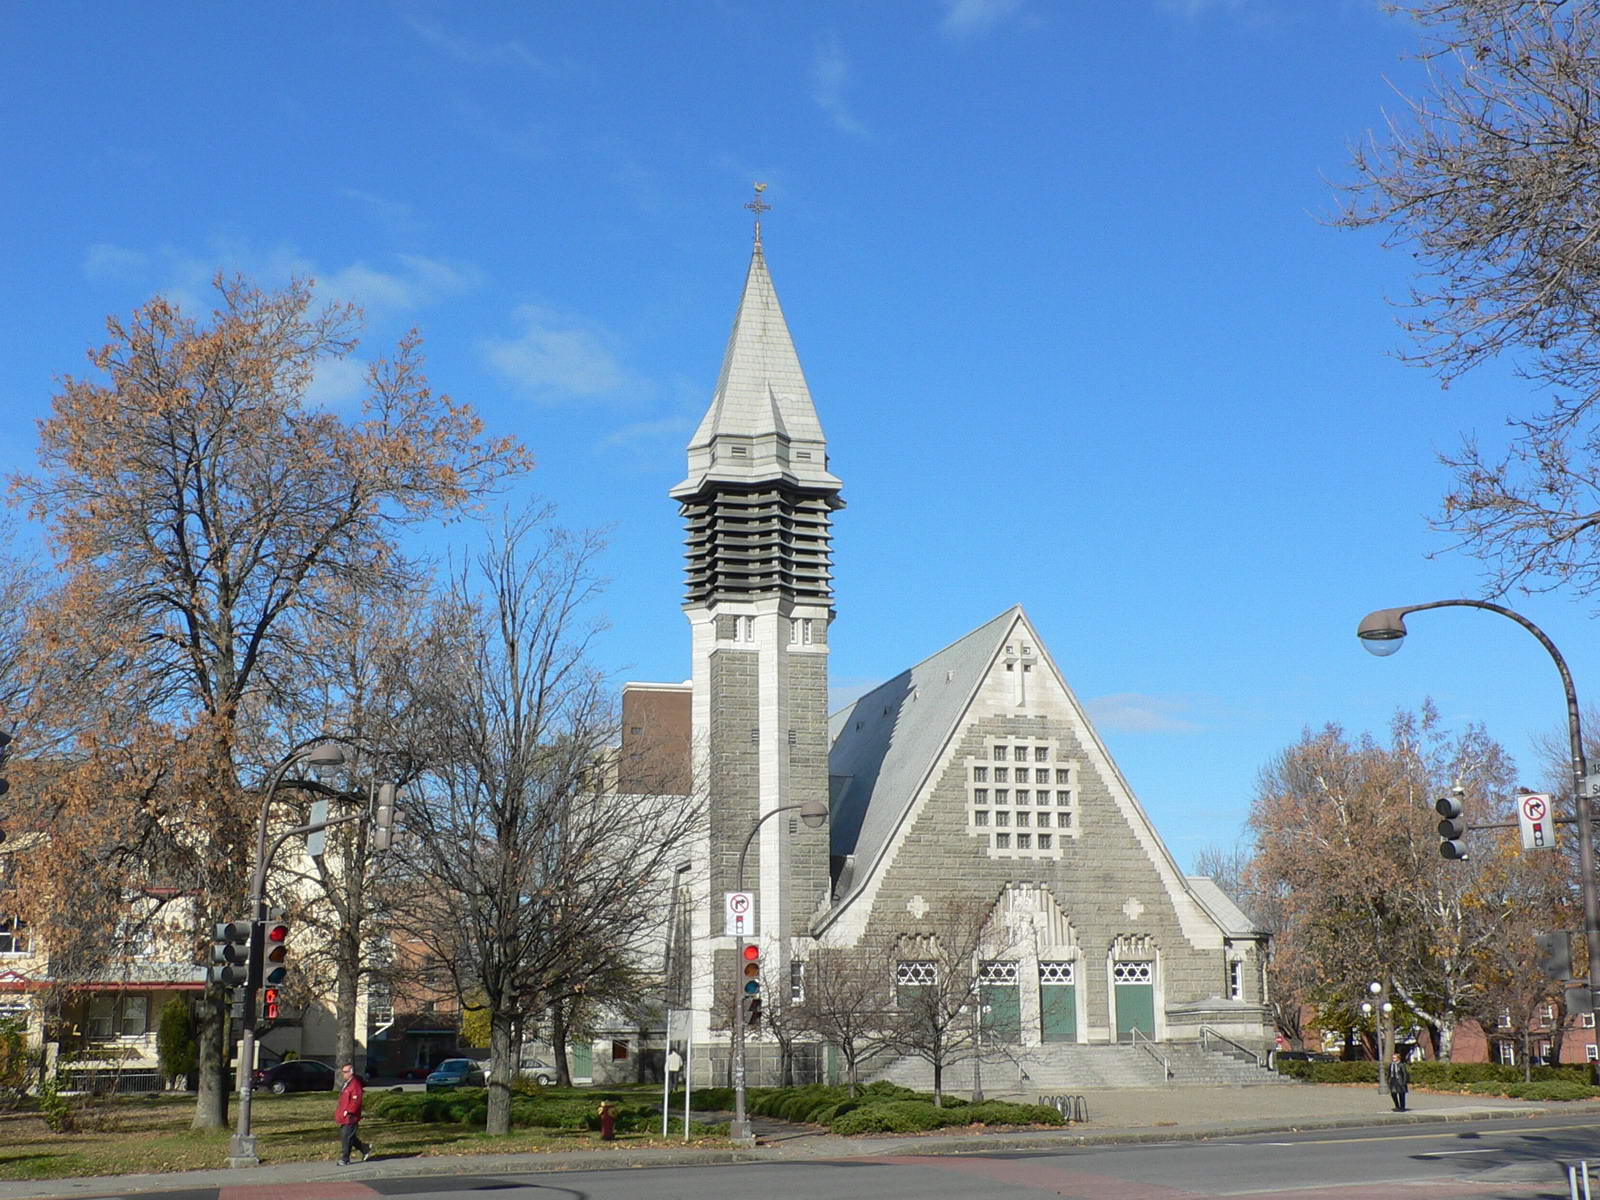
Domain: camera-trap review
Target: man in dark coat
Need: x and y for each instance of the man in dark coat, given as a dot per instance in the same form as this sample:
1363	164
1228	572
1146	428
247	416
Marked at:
348	1116
1398	1079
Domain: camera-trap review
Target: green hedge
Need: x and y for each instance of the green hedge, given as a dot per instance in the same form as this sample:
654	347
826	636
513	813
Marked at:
880	1107
1485	1078
550	1109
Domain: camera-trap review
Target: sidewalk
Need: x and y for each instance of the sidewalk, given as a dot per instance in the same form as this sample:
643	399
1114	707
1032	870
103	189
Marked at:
1115	1115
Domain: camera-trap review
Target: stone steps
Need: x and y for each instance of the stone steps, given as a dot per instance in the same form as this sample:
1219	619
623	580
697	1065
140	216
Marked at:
1049	1070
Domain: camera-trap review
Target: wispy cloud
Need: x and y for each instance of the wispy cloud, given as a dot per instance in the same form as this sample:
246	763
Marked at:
337	384
396	216
830	73
1193	10
511	53
557	357
1136	712
396	285
969	18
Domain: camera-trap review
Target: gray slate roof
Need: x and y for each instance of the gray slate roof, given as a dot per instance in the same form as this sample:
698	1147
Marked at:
1221	907
885	743
761	399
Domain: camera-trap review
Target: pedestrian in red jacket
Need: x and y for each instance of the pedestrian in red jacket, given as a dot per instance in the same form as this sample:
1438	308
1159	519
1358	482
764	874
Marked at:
348	1116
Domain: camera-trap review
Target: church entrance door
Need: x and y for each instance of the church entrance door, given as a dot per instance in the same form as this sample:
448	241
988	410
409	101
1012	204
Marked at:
1058	1001
1000	1016
1133	988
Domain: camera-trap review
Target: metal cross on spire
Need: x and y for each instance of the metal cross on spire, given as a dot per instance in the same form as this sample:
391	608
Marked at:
759	206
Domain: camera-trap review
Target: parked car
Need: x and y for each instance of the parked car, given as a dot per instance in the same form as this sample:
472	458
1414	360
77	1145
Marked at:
454	1073
296	1075
414	1073
1302	1056
537	1070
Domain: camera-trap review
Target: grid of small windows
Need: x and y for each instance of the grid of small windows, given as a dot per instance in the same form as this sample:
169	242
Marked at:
999	972
916	973
1057	971
1030	819
1133	972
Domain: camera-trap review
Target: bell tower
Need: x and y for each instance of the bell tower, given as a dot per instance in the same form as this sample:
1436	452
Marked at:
757	505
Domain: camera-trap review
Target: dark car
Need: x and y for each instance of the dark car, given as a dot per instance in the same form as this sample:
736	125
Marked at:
454	1073
296	1075
1302	1056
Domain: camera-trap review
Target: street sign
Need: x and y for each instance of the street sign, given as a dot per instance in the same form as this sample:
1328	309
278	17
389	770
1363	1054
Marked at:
317	841
1538	827
741	908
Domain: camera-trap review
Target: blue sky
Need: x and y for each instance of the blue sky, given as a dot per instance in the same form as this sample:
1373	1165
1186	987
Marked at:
1058	274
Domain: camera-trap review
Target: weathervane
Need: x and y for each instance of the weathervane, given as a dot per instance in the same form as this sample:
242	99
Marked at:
759	206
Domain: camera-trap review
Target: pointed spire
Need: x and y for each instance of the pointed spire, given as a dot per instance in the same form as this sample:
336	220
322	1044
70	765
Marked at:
761	423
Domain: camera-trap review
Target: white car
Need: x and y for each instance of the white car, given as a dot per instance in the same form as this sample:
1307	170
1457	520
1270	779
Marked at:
538	1070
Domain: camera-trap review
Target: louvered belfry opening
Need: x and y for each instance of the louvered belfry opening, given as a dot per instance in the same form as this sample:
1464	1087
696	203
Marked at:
764	540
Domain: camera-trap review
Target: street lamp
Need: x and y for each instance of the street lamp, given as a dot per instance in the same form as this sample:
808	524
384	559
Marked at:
670	993
1382	632
242	1149
815	815
1380	1008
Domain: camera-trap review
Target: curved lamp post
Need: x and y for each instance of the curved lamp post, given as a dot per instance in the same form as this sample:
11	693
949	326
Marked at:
815	814
1382	633
242	1149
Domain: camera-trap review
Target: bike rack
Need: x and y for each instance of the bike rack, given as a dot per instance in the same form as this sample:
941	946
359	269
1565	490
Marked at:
1073	1108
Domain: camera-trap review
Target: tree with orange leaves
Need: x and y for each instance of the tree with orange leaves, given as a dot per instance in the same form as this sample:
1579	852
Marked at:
198	506
1347	848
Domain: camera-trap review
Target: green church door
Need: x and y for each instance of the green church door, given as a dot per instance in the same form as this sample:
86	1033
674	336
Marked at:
1058	1001
1133	988
1001	1012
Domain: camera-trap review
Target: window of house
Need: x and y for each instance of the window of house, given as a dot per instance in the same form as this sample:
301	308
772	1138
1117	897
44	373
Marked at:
1235	979
980	774
1024	820
1044	841
1002	775
1505	1018
1024	841
1042	775
980	816
1022	797
1002	841
1063	776
980	795
1591	1052
1044	820
1133	972
1543	1051
619	1051
1002	817
13	936
102	1018
1548	1012
797	981
135	1016
1505	1053
1586	1021
998	972
1002	796
1041	754
916	973
1000	753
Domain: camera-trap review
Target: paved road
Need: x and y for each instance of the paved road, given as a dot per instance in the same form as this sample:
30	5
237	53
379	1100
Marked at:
1484	1160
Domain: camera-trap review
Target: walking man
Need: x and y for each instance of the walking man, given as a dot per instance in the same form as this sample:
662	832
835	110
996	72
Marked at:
1399	1079
348	1116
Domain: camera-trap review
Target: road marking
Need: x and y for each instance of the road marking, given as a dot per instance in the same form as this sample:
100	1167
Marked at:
1447	1153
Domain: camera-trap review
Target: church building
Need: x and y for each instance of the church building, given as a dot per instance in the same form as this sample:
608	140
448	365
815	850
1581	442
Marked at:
971	783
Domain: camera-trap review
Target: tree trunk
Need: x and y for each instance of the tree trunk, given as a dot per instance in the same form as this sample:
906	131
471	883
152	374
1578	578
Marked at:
347	985
500	1071
558	1044
211	1094
938	1082
344	1043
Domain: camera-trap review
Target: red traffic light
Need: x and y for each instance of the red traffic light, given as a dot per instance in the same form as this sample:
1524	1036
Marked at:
751	953
277	932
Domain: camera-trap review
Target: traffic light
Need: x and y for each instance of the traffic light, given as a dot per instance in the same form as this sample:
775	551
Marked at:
1555	955
269	1004
1453	826
276	968
751	998
383	818
231	949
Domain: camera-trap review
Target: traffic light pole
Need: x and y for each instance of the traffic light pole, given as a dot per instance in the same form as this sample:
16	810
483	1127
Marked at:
1388	626
242	1148
739	1129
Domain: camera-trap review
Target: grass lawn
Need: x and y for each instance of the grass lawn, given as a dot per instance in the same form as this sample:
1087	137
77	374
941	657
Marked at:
130	1134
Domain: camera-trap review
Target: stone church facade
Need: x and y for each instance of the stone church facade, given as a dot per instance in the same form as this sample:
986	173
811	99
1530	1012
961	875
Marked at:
973	781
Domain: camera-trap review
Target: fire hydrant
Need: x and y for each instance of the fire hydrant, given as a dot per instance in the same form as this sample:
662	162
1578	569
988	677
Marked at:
608	1121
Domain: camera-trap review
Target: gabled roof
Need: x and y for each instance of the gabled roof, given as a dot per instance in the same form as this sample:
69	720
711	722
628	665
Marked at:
884	743
1223	910
761	399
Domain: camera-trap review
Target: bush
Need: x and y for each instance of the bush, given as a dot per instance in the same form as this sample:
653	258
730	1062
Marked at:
177	1049
1002	1112
890	1116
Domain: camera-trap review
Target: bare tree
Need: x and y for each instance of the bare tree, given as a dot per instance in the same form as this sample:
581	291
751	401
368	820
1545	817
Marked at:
940	969
1487	177
534	881
846	1002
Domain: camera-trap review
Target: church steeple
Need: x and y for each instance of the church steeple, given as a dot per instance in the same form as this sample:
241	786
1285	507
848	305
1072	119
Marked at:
758	493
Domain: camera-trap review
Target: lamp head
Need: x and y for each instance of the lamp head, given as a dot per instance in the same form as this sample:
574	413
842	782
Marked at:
326	754
814	813
1383	631
1374	987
